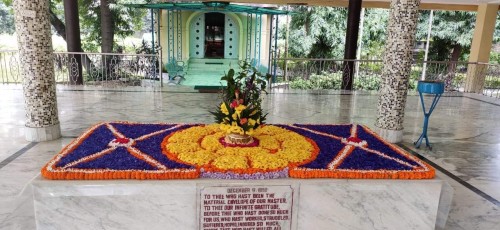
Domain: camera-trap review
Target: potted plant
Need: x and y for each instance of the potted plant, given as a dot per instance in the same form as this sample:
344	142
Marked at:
240	112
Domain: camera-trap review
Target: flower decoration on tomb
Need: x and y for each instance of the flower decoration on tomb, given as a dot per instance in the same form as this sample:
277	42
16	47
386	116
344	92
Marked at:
240	112
125	150
274	149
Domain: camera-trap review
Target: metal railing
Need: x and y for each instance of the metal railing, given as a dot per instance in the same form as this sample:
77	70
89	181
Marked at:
112	69
491	85
103	69
10	71
302	73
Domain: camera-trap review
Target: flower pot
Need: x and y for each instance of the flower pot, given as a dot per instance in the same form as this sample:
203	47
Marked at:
238	139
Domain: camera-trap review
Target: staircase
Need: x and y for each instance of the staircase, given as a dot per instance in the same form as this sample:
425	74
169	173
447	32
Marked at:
207	72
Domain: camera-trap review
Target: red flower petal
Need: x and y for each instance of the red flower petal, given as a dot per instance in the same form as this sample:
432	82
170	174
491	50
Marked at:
354	139
122	140
234	104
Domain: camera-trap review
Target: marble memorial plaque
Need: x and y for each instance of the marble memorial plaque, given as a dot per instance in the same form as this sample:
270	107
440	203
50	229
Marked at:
245	207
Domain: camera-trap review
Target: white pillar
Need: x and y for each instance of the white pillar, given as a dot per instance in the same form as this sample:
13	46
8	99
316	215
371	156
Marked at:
397	66
35	52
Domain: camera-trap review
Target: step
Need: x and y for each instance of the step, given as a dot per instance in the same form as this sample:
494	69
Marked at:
214	61
209	67
213	66
204	70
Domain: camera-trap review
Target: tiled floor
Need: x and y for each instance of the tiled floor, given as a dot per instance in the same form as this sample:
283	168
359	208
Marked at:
464	130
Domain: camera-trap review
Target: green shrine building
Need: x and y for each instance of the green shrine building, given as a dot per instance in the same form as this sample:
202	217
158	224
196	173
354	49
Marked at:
208	38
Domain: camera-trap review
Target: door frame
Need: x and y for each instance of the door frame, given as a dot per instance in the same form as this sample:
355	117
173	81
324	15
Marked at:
234	16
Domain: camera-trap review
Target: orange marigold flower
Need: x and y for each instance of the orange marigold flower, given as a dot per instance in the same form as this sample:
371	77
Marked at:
243	121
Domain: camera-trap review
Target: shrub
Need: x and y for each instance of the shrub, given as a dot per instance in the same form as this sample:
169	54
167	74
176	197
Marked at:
322	81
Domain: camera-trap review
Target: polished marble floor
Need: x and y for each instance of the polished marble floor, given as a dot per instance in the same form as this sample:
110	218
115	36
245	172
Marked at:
464	130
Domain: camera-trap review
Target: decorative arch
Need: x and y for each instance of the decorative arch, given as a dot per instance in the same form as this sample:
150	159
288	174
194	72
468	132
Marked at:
231	38
234	17
197	37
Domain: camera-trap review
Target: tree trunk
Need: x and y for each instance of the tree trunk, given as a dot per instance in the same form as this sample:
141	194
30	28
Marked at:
455	55
107	37
107	27
307	22
61	31
73	41
57	24
351	43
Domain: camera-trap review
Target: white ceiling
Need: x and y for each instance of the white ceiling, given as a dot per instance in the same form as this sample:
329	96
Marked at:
460	2
464	2
333	2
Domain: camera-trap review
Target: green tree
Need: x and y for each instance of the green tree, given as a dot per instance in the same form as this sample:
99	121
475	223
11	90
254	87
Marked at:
55	13
374	31
101	24
317	32
451	35
6	19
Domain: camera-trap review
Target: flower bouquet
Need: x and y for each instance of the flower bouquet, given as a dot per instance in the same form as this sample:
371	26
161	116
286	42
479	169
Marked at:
240	112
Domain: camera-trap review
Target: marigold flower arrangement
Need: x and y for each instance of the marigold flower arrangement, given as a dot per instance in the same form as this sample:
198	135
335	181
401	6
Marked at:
240	111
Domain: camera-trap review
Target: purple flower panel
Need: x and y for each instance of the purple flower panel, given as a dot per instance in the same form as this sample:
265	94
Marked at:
119	159
135	130
152	147
337	130
95	142
362	160
329	147
375	144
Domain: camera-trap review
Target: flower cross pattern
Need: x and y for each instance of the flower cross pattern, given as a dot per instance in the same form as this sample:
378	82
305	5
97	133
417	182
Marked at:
354	151
119	150
125	150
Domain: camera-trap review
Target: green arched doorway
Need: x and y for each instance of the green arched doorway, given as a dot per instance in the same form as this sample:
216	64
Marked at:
213	35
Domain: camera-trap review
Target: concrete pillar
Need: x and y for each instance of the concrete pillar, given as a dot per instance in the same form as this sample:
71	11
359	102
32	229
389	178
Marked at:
397	66
481	46
35	52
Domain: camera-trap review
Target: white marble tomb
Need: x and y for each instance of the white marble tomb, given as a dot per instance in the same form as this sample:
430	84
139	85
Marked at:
173	204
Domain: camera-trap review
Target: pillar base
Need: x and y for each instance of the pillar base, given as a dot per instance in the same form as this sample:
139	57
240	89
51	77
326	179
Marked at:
35	134
392	136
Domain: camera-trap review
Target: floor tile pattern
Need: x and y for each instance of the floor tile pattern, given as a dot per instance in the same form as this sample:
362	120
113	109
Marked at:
464	132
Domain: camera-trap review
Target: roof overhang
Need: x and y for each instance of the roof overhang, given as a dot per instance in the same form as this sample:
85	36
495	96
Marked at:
465	5
210	7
